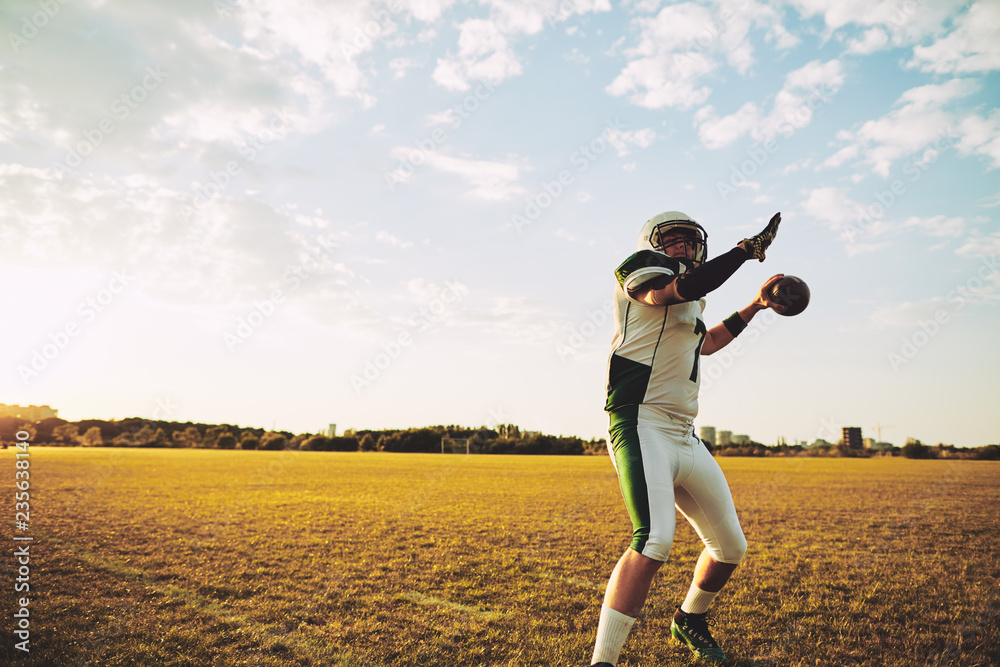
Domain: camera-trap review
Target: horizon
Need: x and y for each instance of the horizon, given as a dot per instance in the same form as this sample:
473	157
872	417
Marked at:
350	431
387	213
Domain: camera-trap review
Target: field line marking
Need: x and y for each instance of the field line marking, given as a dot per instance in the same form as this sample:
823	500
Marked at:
420	598
199	602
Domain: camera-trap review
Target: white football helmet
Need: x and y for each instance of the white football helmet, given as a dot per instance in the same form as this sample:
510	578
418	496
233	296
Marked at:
651	236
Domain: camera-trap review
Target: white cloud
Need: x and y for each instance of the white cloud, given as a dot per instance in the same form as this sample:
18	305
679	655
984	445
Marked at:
904	22
577	57
986	247
906	314
864	227
798	165
622	139
530	16
391	239
857	227
400	65
484	54
980	136
227	249
919	120
937	225
971	47
677	48
873	40
446	117
491	180
718	132
805	90
425	10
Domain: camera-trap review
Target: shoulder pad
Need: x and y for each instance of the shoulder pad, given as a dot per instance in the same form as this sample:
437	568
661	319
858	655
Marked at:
645	259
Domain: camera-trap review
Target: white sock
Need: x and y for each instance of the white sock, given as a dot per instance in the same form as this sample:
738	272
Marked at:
697	600
612	630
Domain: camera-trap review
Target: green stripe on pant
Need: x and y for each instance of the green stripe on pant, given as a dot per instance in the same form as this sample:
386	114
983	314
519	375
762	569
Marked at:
631	474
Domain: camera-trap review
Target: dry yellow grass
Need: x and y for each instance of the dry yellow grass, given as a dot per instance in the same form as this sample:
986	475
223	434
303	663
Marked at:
194	557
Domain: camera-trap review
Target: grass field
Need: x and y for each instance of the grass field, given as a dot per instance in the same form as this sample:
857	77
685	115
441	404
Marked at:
203	557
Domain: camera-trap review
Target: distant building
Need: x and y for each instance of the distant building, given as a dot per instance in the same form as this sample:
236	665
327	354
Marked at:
707	433
331	431
30	412
852	437
724	438
741	439
509	431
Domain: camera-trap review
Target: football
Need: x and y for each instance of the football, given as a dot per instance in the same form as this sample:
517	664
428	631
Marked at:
789	296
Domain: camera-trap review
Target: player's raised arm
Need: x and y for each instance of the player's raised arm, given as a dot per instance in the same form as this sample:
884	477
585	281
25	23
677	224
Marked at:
699	278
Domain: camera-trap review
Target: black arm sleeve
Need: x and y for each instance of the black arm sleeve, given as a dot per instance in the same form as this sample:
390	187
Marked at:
699	281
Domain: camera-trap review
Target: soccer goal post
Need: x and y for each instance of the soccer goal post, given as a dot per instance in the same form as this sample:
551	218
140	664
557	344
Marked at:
454	445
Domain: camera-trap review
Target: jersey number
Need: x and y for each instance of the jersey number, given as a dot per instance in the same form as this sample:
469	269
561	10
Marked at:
699	330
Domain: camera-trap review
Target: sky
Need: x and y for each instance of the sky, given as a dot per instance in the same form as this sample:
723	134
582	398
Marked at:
401	214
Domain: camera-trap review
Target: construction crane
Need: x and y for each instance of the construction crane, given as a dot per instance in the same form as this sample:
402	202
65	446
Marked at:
878	429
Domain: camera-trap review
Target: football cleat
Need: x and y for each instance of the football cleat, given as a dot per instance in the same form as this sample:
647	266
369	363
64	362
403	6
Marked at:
692	629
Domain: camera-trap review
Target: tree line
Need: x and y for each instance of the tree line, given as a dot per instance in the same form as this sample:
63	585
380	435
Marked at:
138	432
502	439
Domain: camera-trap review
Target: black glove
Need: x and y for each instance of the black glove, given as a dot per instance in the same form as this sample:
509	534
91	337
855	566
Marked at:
755	246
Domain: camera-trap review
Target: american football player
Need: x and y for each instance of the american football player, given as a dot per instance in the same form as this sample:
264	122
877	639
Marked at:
652	400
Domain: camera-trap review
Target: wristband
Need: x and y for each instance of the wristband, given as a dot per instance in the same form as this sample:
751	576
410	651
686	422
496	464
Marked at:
734	324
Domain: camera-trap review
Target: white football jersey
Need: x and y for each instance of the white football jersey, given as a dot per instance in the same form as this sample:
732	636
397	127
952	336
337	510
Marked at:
656	351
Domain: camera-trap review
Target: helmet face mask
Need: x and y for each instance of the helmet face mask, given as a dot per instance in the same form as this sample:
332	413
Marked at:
659	231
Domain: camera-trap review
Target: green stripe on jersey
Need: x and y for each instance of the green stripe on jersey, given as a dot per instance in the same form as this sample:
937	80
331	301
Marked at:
644	259
627	382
